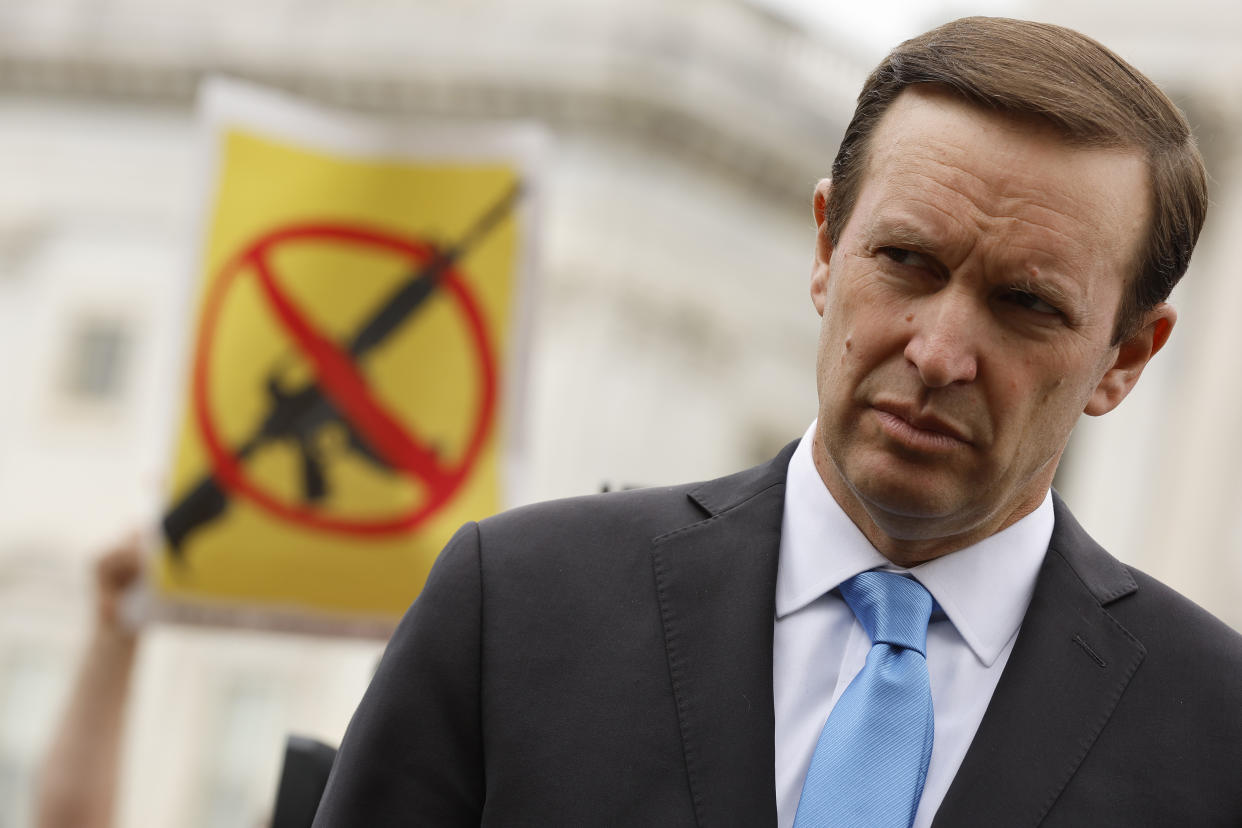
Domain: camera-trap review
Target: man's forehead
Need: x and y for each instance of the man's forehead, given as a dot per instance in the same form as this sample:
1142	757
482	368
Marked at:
933	150
929	121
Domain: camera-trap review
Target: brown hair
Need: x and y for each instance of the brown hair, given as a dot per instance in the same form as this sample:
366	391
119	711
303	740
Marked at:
1088	94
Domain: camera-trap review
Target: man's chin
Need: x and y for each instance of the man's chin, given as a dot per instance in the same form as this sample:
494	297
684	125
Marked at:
912	512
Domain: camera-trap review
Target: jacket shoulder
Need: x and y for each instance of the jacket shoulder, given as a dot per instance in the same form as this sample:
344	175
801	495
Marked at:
1175	628
614	521
595	519
1167	623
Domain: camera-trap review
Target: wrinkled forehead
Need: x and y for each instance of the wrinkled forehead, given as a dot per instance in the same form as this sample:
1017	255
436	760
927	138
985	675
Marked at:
936	151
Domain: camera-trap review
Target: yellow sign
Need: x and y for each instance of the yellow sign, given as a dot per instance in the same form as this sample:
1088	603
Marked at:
352	375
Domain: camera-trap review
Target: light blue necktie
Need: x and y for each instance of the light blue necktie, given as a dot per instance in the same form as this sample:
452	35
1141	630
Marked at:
871	760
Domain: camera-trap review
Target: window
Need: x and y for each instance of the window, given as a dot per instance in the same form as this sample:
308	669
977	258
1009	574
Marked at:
244	757
31	690
97	359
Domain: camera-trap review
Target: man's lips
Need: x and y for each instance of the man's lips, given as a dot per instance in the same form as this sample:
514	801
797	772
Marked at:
919	429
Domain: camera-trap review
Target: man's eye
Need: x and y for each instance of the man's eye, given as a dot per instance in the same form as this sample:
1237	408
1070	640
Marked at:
907	258
1031	302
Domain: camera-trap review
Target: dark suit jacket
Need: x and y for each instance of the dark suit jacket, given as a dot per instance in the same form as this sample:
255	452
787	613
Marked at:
608	661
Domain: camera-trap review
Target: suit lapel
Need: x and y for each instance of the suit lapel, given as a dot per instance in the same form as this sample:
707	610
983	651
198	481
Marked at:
716	582
1068	669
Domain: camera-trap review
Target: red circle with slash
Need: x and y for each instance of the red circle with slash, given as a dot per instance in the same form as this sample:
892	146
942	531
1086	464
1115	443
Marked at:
340	380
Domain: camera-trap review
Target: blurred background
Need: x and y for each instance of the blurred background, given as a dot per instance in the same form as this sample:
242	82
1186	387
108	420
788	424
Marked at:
674	334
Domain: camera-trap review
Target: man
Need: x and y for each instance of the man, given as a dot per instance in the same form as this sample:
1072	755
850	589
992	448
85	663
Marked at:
1009	209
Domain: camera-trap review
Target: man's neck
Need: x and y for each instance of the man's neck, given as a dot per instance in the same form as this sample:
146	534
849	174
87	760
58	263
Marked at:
908	542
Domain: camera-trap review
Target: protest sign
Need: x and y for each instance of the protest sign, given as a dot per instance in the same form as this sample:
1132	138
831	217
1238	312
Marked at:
354	378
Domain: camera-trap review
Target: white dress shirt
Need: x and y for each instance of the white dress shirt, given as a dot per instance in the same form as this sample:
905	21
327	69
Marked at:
818	645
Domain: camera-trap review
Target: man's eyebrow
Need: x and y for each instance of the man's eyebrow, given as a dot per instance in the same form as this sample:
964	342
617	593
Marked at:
900	232
1042	286
1052	290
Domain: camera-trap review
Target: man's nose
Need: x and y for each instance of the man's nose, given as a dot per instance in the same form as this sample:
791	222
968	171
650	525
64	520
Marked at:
944	343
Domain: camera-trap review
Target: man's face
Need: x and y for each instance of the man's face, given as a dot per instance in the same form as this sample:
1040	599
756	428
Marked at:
968	309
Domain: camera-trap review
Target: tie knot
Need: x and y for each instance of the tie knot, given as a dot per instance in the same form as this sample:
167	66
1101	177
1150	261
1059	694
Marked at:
892	608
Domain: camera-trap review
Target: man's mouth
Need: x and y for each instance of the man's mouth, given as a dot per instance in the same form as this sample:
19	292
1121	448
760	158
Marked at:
919	430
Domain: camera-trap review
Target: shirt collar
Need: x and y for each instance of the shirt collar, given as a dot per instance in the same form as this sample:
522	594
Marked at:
984	589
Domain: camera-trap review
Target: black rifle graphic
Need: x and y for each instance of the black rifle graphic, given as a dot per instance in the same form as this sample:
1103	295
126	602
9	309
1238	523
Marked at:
298	415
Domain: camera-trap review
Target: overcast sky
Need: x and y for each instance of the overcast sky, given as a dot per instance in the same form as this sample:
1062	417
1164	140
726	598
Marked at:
1184	42
879	25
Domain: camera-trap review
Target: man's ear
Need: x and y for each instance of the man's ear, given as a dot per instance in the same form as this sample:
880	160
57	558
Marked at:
823	246
1131	358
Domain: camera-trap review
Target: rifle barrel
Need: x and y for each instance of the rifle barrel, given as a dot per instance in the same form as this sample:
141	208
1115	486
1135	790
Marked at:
419	287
